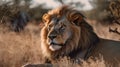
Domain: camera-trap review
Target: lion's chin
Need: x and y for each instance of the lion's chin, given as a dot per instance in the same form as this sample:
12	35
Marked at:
54	47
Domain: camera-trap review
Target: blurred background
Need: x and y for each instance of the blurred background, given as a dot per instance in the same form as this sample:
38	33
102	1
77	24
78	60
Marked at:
16	14
21	22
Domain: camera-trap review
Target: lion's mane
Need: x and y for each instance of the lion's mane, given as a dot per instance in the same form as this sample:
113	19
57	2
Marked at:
86	39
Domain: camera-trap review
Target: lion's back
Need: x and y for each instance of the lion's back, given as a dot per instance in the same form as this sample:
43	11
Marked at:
108	49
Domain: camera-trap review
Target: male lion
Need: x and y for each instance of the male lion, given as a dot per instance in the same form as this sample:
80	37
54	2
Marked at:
66	33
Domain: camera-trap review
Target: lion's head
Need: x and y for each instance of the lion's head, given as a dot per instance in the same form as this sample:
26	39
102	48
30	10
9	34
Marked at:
65	31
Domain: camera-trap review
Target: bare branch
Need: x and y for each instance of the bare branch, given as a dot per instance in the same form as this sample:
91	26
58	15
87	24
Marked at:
114	30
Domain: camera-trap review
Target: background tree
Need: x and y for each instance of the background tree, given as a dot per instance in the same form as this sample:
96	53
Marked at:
99	11
15	13
107	12
114	8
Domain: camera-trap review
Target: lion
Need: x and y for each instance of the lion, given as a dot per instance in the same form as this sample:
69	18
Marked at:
66	33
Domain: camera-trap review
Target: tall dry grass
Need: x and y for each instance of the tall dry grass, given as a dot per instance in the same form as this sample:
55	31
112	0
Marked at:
18	49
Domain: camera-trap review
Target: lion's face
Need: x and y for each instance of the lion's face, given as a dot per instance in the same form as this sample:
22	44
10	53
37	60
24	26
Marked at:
58	33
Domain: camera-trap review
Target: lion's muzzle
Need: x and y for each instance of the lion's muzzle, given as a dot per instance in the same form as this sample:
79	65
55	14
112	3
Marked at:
52	36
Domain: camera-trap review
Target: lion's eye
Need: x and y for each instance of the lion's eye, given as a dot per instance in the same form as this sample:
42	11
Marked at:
62	28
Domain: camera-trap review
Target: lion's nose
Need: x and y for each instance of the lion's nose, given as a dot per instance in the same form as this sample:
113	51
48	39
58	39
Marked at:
52	36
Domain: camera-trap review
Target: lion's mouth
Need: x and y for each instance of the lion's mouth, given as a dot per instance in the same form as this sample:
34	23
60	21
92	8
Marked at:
56	44
55	47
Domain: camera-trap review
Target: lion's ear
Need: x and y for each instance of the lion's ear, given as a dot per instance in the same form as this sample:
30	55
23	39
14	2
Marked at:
46	17
75	17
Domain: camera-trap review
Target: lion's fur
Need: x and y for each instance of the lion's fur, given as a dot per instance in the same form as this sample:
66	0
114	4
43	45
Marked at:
82	39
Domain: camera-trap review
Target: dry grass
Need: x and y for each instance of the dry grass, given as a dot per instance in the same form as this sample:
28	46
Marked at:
65	62
17	49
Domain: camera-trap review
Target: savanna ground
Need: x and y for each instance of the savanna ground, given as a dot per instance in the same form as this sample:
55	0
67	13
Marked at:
17	49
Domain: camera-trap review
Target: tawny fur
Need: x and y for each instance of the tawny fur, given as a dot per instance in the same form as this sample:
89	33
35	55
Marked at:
82	38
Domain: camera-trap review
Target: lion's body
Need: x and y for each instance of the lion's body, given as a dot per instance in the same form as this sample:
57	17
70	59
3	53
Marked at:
109	49
66	33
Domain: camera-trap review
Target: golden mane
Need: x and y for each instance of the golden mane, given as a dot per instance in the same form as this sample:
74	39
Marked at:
86	40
